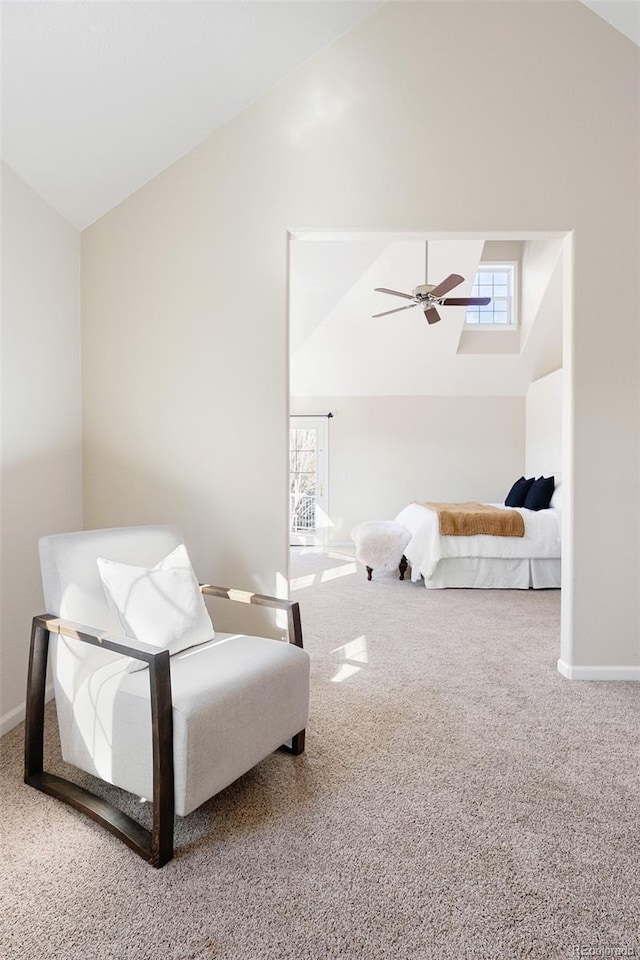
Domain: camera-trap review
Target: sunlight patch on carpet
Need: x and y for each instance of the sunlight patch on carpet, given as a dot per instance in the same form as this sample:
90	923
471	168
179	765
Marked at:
344	571
300	583
354	655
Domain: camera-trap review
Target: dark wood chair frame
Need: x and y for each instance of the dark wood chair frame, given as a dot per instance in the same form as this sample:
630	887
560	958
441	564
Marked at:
155	845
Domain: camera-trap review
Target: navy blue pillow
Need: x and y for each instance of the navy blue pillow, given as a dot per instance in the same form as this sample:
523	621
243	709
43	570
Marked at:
539	496
518	493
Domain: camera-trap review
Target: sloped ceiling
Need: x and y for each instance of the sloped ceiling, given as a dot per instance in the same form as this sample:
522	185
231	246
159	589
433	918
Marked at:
98	98
624	15
339	349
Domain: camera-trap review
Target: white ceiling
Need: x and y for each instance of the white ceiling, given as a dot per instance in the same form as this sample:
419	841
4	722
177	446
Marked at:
624	15
339	349
100	97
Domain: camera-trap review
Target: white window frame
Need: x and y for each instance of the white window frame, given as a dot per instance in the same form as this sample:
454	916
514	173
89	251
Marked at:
491	266
321	427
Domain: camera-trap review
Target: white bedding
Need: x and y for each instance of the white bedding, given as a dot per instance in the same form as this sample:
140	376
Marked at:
427	547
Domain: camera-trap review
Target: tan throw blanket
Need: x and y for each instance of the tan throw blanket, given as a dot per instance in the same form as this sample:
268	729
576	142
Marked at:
469	519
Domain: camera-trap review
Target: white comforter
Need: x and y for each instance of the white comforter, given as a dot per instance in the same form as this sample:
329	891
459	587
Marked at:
427	547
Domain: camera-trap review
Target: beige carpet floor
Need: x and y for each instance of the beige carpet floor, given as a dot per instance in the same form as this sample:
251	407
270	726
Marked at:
458	799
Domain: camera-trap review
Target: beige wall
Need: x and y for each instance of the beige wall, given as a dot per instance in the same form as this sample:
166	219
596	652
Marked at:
385	452
497	250
41	413
543	426
185	283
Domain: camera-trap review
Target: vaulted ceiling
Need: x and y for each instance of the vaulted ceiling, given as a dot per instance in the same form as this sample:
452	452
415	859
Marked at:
624	15
100	97
338	348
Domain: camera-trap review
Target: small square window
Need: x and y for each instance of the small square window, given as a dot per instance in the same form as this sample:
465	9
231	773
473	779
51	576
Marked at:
497	281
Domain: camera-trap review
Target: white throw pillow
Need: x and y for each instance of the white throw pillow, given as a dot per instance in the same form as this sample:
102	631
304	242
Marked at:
556	499
161	605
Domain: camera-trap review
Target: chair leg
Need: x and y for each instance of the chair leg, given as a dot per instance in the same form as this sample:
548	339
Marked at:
34	716
369	572
297	744
163	772
403	566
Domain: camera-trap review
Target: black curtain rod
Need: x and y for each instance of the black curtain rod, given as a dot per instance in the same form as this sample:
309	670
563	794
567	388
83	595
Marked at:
329	415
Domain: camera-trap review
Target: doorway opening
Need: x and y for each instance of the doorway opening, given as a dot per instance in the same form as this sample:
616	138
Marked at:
428	411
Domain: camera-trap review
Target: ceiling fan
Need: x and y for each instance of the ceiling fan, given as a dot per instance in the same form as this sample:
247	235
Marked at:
428	297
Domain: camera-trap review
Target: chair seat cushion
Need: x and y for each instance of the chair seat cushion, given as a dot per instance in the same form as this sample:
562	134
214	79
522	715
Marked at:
235	700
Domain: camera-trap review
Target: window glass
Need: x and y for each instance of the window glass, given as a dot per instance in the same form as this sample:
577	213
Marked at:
497	281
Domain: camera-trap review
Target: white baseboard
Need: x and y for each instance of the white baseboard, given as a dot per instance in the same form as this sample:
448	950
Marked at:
597	673
11	719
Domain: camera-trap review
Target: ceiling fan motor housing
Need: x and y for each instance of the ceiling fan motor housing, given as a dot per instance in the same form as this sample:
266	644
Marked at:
423	290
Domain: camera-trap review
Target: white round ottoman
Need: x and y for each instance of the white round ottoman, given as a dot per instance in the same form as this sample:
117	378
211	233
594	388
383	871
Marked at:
380	545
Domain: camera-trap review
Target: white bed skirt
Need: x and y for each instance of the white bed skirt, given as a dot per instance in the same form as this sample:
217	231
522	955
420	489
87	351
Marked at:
495	574
546	573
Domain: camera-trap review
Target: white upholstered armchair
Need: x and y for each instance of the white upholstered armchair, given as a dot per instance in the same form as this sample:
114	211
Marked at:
175	727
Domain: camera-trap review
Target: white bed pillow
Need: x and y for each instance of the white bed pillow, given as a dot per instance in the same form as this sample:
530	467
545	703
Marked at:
160	605
556	499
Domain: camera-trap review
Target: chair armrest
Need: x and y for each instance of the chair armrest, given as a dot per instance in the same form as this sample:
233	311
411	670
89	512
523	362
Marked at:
77	631
244	596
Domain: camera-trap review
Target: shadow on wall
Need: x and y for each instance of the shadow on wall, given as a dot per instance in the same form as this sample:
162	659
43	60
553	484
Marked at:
153	497
39	496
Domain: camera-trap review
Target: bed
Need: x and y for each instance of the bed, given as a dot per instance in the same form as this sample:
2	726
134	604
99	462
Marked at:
484	561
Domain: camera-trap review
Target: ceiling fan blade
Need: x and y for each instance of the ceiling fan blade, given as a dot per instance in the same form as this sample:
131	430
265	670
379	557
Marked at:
453	280
397	310
432	315
394	293
466	302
